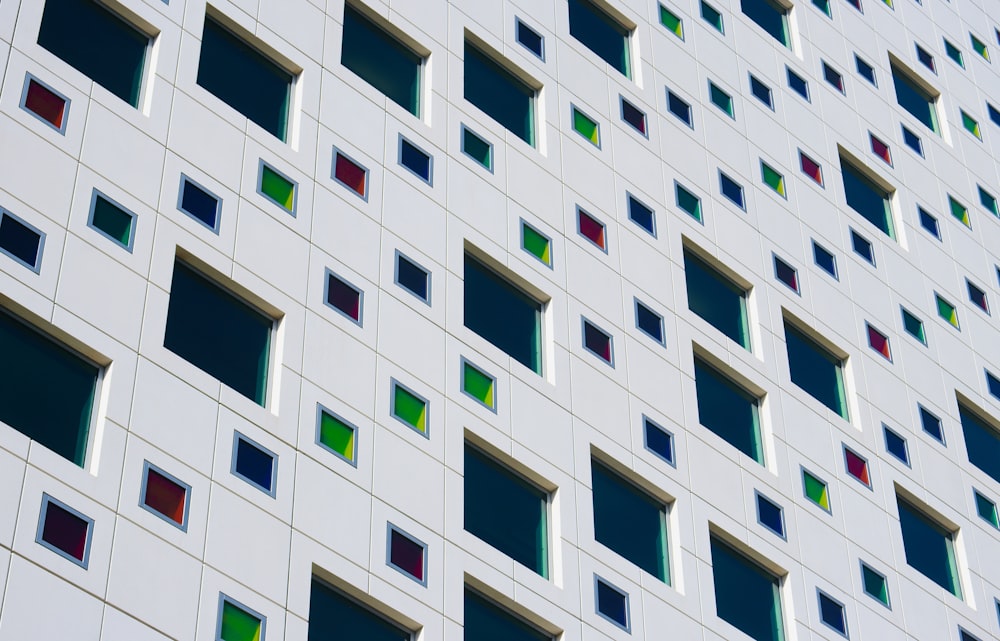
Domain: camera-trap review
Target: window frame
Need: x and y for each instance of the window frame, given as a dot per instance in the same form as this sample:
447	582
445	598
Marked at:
47	500
146	468
757	445
822	349
737	553
37	266
239	436
949	534
515	77
919	89
614	23
94	195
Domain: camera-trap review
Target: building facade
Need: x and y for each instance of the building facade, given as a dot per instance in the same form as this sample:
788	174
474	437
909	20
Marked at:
574	319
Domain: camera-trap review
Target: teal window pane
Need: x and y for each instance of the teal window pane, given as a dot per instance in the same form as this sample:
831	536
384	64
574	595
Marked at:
630	522
218	333
728	410
817	371
717	299
500	94
600	33
334	615
982	442
244	78
486	621
503	314
769	16
506	511
112	221
867	198
915	99
381	60
929	547
747	596
71	30
46	391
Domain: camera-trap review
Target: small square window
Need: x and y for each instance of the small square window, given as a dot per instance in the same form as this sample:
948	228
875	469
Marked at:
649	322
255	464
912	141
878	342
344	297
761	92
993	384
418	161
862	247
350	174
929	223
833	77
786	274
815	489
687	202
336	435
925	58
979	47
816	370
824	259
406	554
896	445
591	229
658	440
680	108
479	385
946	310
672	22
865	70
770	515
728	410
612	603
46	104
111	220
64	531
199	203
875	584
913	325
635	117
977	296
798	84
954	53
410	408
994	113
986	509
857	466
237	622
811	168
712	16
478	148
529	38
536	243
988	201
931	424
929	546
831	613
165	496
277	188
721	99
959	211
378	57
413	278
21	241
880	148
600	32
587	127
731	190
971	124
773	179
597	342
717	298
824	6
641	215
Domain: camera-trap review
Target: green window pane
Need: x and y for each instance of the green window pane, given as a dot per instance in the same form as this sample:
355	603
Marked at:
980	47
477	148
113	221
954	53
720	99
717	299
728	410
770	17
929	547
672	22
987	510
536	244
278	188
237	624
218	333
244	78
506	511
971	125
915	99
746	595
500	94
875	584
337	435
982	442
946	311
816	370
867	198
772	178
989	202
586	127
381	60
914	326
409	408
600	33
815	490
503	314
46	391
478	385
486	621
333	615
824	6
71	28
959	211
688	202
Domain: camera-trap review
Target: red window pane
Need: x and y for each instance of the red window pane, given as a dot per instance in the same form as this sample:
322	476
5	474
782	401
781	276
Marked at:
591	229
65	531
857	467
343	297
811	168
165	496
351	174
879	342
880	149
45	103
406	554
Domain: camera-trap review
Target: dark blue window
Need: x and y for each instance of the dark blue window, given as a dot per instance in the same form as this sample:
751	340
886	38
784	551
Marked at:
530	39
761	91
895	445
381	60
798	84
600	33
746	595
824	259
199	204
499	94
20	241
415	159
254	464
770	515
332	614
658	440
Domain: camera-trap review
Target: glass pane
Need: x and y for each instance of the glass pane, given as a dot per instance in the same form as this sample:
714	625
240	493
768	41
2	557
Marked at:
716	299
485	621
332	615
915	100
600	33
503	314
982	442
815	370
746	595
630	522
728	410
929	548
499	94
867	198
381	60
769	17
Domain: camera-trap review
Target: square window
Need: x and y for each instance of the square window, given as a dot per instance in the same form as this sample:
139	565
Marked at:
680	108
503	314
761	92
635	117
418	161
786	274
824	6
649	322
712	16
591	229
977	296
499	93
45	103
238	622
946	310
479	385
770	515
239	356
506	510
931	424
954	53
728	410
332	613
485	619
658	440
717	299
912	141
929	546
406	554
597	342
798	84
344	297
959	211
925	58
865	70
687	202
811	168
199	203
816	370
979	47
587	127
536	243
867	197
629	521
413	278
410	408
993	113
379	58
165	496
982	442
672	22
233	69
21	241
731	190
720	99
880	148
993	384
986	509
862	247
896	445
913	325
831	613
277	188
747	596
915	97
529	38
769	16
478	148
336	435
824	259
857	466
988	201
350	174
69	29
255	464
875	584
593	27
833	77
816	490
641	215
878	342
111	220
929	223
773	179
612	603
64	531
971	124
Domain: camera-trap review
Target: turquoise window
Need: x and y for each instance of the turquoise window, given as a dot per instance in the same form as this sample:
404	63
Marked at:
728	410
487	621
915	99
381	60
333	614
747	596
769	16
929	547
499	93
717	299
600	33
982	442
816	370
867	198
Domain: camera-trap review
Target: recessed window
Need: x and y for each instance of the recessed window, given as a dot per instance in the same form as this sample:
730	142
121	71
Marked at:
761	92
912	141
833	77
878	342
237	622
875	584
811	168
344	297
786	274
410	408
587	127
500	94
712	16
70	29
64	531
913	325
798	84
536	243
381	60
680	108
992	384
21	241
111	220
856	4
255	464
413	278
815	489
45	103
334	614
979	47
925	58
982	442
484	619
506	510
895	444
963	635
238	352
954	53
816	370
832	613
867	197
649	322
199	203
672	22
731	190
601	33
687	201
728	410
864	69
857	467
880	148
915	98
717	299
350	174
529	38
629	521
824	259
986	509
824	6
479	385
993	113
503	314
640	214
769	16
238	74
658	440
946	310
770	515
635	117
721	99
418	161
773	179
931	424
277	187
970	124
977	296
337	435
165	496
478	148
406	554
929	546
988	201
612	603
597	342
592	229
929	222
863	247
747	596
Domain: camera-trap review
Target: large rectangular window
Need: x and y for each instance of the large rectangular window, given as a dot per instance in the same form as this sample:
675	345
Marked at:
929	546
46	390
728	410
238	74
499	93
503	314
630	521
769	16
914	98
96	42
505	510
982	442
816	370
716	298
600	33
487	621
218	333
867	197
747	595
381	60
334	615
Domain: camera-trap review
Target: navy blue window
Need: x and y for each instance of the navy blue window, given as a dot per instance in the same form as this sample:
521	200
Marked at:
381	60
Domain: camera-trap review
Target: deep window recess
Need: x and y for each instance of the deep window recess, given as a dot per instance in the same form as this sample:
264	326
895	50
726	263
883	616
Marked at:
499	93
982	442
769	16
600	33
929	546
333	614
728	410
816	370
915	99
381	60
747	596
867	197
486	620
717	299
